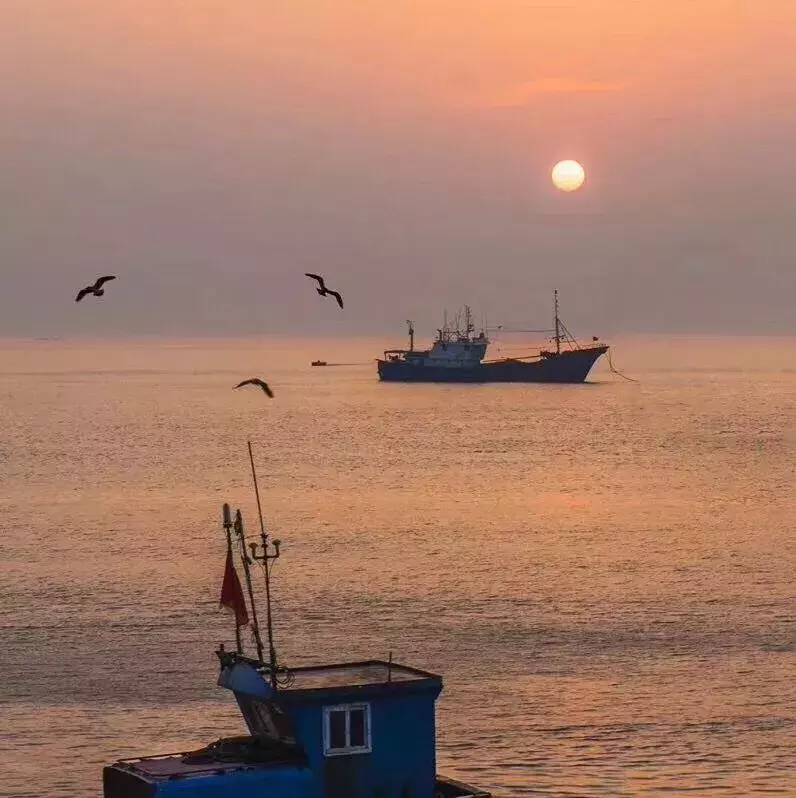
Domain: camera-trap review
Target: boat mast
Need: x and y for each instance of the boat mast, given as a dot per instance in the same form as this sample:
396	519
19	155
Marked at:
227	521
411	326
557	322
241	535
265	558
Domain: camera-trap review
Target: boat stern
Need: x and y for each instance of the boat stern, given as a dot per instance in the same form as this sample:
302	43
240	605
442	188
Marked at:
242	766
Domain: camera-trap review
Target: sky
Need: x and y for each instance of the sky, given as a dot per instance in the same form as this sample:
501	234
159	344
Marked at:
209	152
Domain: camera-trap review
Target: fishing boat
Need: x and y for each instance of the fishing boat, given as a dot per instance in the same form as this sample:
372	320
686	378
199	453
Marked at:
457	355
342	730
319	363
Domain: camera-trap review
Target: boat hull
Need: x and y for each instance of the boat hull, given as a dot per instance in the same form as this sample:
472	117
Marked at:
164	777
571	366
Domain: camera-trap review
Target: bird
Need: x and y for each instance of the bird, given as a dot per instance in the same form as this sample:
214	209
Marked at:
323	290
96	289
255	381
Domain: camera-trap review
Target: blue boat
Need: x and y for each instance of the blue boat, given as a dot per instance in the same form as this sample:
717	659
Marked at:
457	355
343	730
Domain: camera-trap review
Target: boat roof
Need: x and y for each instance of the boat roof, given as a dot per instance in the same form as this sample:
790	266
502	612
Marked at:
354	674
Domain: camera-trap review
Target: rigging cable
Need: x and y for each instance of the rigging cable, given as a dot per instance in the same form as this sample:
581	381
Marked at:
616	371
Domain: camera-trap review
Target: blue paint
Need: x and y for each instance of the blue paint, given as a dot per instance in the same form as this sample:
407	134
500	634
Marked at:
277	782
571	366
402	756
245	679
457	355
381	744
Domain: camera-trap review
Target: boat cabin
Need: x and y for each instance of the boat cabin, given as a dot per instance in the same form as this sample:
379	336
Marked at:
455	347
350	730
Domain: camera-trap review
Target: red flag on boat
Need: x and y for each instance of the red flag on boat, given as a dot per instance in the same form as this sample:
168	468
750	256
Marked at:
232	594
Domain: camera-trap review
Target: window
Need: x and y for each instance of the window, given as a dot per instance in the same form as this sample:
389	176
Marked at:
346	729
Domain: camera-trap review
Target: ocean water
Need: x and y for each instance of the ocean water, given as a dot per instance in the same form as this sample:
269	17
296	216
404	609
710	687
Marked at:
602	573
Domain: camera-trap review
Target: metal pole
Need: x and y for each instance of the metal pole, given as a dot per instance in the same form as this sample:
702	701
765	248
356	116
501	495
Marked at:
256	489
265	558
558	323
247	572
228	529
271	648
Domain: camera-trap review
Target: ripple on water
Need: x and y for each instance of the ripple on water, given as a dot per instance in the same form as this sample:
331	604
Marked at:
602	573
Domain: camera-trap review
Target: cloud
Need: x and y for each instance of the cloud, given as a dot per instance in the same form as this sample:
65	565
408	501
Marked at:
522	94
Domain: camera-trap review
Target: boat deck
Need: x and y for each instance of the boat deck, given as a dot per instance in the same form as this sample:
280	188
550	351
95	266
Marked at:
171	767
224	756
174	766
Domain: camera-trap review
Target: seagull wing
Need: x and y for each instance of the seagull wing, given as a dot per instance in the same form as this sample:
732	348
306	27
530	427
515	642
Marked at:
318	278
101	280
82	292
337	297
255	381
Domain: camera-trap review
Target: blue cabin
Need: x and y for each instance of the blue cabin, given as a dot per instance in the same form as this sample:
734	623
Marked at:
349	730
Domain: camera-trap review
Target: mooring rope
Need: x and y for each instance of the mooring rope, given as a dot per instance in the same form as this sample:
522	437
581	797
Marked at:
616	371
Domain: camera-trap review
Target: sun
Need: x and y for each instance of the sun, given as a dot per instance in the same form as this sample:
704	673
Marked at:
568	175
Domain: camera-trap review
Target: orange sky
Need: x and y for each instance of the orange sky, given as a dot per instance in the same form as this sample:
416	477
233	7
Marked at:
386	60
429	52
473	99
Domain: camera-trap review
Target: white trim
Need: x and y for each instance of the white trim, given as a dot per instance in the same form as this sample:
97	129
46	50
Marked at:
349	749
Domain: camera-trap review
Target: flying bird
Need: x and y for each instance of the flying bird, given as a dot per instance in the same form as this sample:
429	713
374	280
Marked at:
254	381
96	289
323	290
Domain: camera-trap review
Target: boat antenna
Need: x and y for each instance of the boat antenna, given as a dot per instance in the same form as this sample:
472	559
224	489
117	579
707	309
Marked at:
557	322
265	558
227	523
241	534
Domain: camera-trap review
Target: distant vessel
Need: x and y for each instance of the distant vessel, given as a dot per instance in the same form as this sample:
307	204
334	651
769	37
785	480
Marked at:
319	363
342	730
457	355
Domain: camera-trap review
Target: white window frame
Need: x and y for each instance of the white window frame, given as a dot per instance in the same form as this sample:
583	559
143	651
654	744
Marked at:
349	749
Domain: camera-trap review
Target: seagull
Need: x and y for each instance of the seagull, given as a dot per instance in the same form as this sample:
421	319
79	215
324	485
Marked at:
96	289
323	290
254	381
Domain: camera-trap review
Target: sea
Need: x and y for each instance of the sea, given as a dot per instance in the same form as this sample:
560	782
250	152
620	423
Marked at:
602	573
